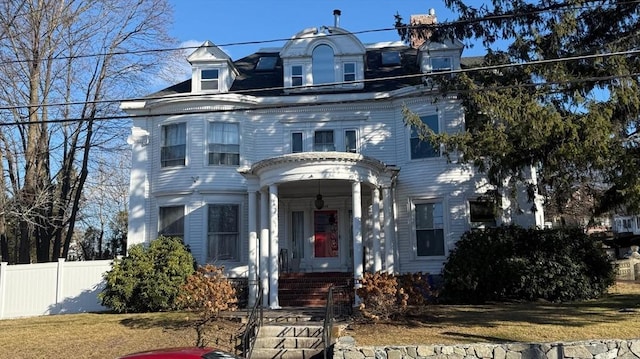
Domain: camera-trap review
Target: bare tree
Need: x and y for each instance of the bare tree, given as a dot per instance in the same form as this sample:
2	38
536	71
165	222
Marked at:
61	60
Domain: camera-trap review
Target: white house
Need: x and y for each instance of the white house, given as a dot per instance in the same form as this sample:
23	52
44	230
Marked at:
297	159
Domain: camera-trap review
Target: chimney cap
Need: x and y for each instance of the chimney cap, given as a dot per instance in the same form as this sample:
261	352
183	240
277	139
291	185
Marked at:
337	12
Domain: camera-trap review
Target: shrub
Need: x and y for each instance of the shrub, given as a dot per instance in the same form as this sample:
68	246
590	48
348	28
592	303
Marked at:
149	278
514	263
207	292
417	288
380	297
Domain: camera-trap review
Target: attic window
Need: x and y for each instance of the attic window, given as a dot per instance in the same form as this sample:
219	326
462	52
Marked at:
266	63
390	58
209	79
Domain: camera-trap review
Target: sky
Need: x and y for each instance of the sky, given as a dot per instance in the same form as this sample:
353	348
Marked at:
227	22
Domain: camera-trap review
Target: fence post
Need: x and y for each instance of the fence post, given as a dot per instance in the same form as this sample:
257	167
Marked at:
3	287
59	284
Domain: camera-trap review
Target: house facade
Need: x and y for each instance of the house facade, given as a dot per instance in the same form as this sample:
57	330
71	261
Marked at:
297	159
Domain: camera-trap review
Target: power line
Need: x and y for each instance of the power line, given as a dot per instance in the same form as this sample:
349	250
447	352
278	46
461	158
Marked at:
329	85
258	42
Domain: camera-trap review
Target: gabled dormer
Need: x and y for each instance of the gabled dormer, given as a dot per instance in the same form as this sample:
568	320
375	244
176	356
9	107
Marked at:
212	69
440	56
328	58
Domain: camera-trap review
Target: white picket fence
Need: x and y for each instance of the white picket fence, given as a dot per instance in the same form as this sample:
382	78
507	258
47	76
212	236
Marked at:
51	288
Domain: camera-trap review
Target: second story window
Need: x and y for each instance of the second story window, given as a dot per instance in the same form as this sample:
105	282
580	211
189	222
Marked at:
173	145
349	71
296	142
350	141
209	79
322	65
440	64
323	141
224	144
424	148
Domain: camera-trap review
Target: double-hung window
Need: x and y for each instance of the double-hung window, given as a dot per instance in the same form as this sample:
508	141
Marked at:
296	142
209	79
171	221
429	227
424	148
223	232
224	144
349	71
322	62
173	145
296	75
350	141
323	141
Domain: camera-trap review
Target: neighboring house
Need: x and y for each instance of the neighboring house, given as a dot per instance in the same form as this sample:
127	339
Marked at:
300	155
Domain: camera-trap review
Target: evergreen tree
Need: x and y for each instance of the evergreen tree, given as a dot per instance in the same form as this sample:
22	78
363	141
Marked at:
561	97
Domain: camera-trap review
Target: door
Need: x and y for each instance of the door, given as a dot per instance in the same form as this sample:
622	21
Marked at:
326	234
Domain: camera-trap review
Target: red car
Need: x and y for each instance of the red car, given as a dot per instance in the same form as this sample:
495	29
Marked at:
182	353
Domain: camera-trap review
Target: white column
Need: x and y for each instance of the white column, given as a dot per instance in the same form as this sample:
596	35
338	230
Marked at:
389	233
253	247
273	254
375	209
264	247
357	236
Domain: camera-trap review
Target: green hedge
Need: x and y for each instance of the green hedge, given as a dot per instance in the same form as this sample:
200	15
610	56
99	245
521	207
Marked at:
149	278
515	263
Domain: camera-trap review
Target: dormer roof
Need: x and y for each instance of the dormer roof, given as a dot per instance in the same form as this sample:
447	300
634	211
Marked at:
208	52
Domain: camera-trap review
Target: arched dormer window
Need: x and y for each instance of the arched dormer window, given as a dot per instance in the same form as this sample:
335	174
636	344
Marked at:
323	65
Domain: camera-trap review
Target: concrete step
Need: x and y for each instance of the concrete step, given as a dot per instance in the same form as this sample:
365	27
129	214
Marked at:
291	331
288	343
261	353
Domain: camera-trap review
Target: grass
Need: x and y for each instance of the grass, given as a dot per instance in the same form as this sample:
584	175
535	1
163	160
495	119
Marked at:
616	315
111	335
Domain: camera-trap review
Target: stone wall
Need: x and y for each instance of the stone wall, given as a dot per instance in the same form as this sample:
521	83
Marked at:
345	348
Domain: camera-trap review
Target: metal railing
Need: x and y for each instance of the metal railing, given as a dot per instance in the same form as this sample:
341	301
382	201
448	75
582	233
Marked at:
327	327
254	322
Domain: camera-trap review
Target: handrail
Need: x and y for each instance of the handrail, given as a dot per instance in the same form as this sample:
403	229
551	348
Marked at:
254	322
327	327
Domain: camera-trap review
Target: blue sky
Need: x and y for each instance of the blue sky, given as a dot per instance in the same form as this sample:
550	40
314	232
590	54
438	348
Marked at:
225	21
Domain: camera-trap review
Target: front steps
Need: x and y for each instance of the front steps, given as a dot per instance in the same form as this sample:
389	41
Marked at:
285	340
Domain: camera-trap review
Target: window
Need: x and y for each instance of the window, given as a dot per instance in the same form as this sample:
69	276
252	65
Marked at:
350	141
390	58
224	144
440	64
482	214
296	75
209	79
420	148
173	145
323	141
429	223
296	142
171	221
223	232
266	63
322	65
349	71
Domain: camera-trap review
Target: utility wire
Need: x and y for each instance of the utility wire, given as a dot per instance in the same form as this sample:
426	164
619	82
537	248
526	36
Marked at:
329	85
258	42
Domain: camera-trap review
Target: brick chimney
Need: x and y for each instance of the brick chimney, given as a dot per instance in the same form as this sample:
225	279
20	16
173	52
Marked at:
420	36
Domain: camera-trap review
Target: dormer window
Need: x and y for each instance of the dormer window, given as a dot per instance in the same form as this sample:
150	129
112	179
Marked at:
349	71
322	65
390	58
441	64
209	80
296	75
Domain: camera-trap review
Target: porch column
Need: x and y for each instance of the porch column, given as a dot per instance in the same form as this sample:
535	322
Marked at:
389	231
253	247
375	209
264	246
273	254
357	236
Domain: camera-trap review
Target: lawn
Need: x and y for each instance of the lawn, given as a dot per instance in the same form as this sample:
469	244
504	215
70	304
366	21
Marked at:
110	335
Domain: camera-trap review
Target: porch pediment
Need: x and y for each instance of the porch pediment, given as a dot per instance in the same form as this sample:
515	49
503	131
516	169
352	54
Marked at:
319	166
